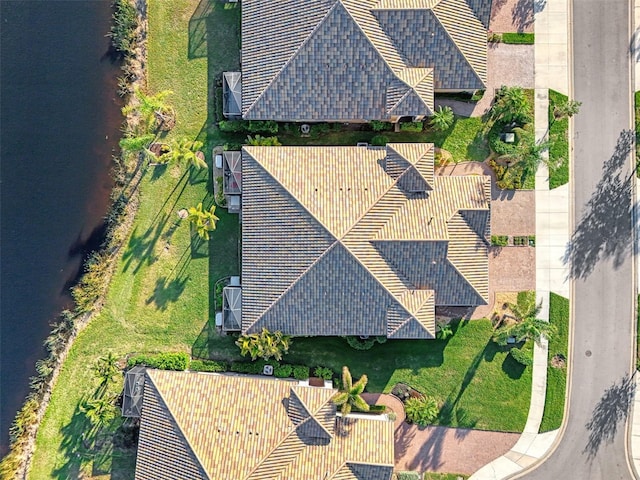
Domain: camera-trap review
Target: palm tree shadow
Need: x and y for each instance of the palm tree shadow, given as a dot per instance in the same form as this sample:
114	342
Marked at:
611	410
166	292
606	228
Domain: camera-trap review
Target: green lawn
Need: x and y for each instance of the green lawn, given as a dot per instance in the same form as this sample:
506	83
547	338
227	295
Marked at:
559	139
483	387
518	38
637	121
159	299
556	377
466	139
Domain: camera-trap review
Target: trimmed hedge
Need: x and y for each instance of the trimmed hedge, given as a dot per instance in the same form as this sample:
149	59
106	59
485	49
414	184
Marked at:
300	372
379	140
499	240
208	366
411	127
408	476
282	371
252	126
323	372
521	356
519	38
178	361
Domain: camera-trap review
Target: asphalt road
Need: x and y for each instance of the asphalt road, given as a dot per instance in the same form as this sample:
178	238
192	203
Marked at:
593	444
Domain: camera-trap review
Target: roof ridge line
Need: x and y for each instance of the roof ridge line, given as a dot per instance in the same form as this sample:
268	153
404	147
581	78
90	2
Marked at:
466	59
393	46
451	261
311	413
278	445
178	426
294	55
291	285
404	95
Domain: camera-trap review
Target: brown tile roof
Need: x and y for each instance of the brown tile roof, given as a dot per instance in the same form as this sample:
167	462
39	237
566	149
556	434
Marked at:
210	426
358	59
359	241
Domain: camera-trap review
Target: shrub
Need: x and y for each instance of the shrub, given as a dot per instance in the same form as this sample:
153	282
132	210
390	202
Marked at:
421	411
444	331
300	372
252	368
323	372
260	141
521	356
208	366
264	345
319	129
267	126
408	476
358	343
379	126
477	95
518	38
178	361
411	126
499	240
232	126
379	140
283	371
496	144
123	28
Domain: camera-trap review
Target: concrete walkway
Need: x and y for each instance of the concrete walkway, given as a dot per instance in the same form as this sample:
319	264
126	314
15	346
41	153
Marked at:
552	235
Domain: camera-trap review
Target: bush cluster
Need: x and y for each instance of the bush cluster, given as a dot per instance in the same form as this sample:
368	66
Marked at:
496	144
208	366
521	356
252	126
358	343
411	127
284	370
379	126
499	240
408	476
177	361
123	28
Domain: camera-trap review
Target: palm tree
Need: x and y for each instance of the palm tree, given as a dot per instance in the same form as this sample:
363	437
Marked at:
264	345
442	119
152	110
99	411
106	368
527	326
511	105
184	151
133	144
203	220
349	396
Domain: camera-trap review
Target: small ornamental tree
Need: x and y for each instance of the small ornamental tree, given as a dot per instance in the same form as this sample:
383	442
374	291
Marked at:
152	111
568	108
442	119
349	396
203	220
421	411
264	345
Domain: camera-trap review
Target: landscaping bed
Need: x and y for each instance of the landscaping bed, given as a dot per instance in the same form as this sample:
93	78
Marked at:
559	143
556	370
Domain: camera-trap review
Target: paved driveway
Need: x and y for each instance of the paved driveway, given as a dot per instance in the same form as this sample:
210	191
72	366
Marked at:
443	449
511	16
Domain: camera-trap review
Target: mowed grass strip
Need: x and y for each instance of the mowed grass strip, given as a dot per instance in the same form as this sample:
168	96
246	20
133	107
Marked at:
556	377
559	143
159	298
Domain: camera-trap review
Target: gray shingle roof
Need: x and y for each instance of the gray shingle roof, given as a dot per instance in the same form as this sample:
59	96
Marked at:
336	240
357	59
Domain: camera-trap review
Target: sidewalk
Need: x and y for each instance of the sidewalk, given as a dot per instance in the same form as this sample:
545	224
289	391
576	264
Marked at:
552	235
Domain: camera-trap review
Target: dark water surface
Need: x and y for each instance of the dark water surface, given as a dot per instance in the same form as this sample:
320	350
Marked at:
59	123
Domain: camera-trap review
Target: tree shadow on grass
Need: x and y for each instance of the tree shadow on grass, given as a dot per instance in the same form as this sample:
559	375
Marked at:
166	292
605	230
141	247
513	369
74	446
610	411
